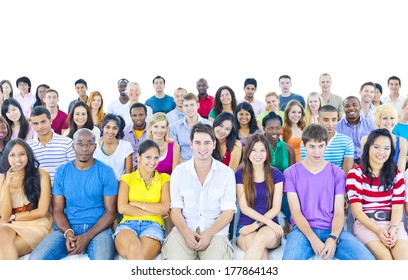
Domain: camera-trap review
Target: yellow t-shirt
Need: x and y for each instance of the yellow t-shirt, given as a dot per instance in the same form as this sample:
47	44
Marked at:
150	194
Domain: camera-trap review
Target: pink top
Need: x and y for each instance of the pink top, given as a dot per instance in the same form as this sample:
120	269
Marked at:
166	165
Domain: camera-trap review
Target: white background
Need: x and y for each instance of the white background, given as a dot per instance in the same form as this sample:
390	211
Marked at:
58	42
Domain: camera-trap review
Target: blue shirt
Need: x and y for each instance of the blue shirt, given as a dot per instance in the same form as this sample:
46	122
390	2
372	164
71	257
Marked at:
84	191
339	147
401	129
356	132
283	101
180	133
174	115
165	104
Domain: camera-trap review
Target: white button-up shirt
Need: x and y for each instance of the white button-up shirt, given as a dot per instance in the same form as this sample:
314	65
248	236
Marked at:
202	204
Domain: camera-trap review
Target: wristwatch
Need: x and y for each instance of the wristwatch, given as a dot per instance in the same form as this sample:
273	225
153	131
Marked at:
13	217
335	238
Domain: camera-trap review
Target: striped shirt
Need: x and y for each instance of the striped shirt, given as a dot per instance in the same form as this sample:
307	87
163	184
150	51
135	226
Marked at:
339	147
374	197
57	152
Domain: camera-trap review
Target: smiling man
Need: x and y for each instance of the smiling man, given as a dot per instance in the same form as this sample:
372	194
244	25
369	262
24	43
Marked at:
250	86
202	203
354	126
81	86
180	130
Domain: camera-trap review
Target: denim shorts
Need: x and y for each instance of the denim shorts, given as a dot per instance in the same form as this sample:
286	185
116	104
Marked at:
142	228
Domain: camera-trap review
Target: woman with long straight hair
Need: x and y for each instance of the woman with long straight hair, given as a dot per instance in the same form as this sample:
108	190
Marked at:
376	192
259	194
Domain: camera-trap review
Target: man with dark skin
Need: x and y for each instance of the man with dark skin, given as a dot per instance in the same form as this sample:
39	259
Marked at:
353	125
136	132
84	206
205	100
119	105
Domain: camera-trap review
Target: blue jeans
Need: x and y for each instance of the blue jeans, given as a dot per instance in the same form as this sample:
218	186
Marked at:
53	247
349	247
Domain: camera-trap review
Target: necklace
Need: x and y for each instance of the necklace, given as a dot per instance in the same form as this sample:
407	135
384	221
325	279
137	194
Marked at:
147	180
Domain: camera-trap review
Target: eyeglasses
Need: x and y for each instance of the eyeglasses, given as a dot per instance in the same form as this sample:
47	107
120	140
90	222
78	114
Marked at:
84	145
22	84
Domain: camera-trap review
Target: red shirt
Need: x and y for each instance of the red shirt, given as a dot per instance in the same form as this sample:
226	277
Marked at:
206	105
60	122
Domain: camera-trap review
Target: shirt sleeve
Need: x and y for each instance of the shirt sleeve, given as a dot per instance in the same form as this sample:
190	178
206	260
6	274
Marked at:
110	183
398	189
277	176
349	148
302	152
176	200
290	179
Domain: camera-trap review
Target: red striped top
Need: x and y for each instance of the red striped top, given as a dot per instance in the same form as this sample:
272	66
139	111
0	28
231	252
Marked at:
374	197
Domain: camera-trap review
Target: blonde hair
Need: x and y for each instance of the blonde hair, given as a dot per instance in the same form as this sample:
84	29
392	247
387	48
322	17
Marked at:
155	118
101	114
384	109
308	111
269	94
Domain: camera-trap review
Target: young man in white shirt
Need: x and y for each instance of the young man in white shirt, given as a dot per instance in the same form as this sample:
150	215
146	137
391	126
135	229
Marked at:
202	203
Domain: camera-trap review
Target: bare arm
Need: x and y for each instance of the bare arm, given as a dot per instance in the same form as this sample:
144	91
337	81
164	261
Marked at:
347	164
292	155
129	164
402	156
179	222
236	155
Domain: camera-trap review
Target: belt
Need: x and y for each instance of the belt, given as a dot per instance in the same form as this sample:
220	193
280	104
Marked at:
380	215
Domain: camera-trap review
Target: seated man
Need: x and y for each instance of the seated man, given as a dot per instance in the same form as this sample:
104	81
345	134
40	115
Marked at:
202	202
84	206
315	190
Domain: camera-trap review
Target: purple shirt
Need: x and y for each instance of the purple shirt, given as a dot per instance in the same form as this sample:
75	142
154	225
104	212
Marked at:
259	205
316	192
356	132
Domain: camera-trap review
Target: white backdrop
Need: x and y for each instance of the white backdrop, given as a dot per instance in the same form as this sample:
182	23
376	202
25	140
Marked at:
58	42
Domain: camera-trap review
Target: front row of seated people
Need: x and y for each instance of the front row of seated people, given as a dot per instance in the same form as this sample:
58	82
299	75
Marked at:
202	201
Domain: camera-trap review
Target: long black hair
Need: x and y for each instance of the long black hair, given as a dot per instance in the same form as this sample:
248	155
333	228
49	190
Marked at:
24	125
389	168
231	138
38	101
89	124
252	123
32	181
120	122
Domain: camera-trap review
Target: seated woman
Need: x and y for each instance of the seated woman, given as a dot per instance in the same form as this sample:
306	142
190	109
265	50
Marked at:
113	151
375	189
13	113
25	193
144	198
386	116
313	103
259	194
245	121
80	117
228	148
293	124
272	105
158	131
40	95
224	101
95	104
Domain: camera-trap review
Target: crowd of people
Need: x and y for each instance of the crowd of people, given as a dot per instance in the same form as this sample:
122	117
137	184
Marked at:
187	175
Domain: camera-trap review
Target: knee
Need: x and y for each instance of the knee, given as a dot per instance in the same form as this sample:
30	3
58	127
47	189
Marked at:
6	234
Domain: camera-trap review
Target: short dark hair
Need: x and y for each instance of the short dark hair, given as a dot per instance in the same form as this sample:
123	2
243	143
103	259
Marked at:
202	128
367	84
327	108
250	81
138	105
159	77
40	110
271	116
147	144
81	81
394	78
285	77
351	97
316	132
